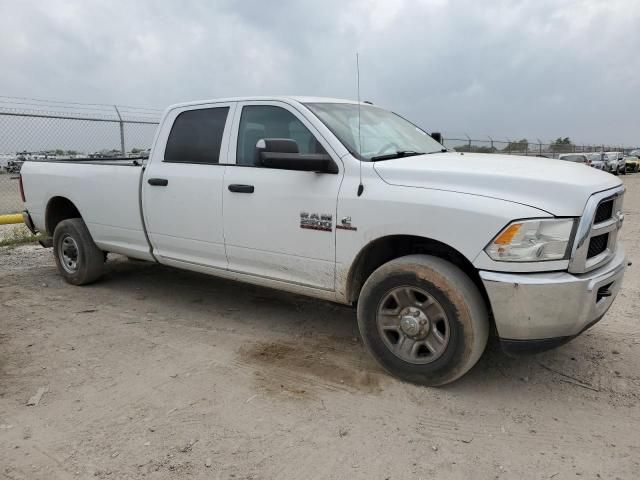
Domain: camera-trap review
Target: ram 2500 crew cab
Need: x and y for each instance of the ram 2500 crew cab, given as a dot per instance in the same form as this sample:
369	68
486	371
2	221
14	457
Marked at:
351	203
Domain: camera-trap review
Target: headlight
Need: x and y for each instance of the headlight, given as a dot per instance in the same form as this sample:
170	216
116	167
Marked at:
532	241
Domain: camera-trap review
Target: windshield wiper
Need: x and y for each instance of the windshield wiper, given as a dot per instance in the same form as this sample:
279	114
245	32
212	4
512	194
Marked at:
398	154
442	150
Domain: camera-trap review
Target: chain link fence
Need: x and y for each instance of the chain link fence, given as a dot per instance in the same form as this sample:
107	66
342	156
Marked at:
40	129
32	128
526	148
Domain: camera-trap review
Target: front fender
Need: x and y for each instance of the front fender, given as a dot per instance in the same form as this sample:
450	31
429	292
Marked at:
464	222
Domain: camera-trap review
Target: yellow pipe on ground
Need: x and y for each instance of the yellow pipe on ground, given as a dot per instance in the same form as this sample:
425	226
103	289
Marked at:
10	219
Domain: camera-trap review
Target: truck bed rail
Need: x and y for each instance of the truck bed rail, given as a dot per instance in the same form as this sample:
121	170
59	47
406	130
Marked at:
121	161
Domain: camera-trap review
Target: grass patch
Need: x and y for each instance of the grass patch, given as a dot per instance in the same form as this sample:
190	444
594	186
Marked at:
14	235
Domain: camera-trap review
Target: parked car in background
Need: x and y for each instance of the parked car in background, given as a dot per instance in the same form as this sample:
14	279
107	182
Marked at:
14	166
598	160
575	157
635	153
5	160
615	163
631	163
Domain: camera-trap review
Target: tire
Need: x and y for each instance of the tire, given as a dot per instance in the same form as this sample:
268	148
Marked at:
451	304
78	258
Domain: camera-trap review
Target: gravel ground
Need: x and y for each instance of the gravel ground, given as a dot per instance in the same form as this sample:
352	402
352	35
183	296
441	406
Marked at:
13	232
159	373
10	201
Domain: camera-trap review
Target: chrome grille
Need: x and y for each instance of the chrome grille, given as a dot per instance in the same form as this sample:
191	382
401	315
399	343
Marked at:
597	234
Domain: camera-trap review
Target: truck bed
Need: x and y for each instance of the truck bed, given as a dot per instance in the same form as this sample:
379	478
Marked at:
106	194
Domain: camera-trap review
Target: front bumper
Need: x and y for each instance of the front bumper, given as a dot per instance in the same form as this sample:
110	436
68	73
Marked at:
547	309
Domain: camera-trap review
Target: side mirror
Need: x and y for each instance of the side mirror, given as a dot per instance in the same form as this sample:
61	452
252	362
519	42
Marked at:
437	136
283	154
281	145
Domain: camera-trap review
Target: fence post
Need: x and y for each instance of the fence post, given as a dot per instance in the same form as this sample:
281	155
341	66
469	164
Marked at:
539	147
121	131
492	149
468	138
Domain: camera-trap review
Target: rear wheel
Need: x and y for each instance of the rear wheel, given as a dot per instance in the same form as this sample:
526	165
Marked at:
78	258
423	319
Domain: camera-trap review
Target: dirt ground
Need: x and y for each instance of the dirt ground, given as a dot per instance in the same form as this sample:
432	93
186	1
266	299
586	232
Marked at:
159	373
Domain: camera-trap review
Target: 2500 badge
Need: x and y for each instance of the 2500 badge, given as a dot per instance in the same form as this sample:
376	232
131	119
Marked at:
316	221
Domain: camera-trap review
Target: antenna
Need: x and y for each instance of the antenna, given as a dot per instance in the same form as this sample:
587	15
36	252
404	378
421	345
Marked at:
360	186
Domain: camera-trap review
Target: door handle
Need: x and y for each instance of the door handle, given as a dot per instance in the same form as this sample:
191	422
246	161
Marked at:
238	188
158	182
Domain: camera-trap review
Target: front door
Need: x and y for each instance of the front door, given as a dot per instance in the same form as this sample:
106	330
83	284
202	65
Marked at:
279	224
182	186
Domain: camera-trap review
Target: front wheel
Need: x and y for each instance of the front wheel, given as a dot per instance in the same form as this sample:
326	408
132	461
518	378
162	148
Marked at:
78	258
423	319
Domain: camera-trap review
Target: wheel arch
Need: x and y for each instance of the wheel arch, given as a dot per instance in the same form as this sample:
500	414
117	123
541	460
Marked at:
384	249
59	208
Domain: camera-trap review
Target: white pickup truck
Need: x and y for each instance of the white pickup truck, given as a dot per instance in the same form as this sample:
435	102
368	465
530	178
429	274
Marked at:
351	203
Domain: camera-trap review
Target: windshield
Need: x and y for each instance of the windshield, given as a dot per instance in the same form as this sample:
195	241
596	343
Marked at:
382	133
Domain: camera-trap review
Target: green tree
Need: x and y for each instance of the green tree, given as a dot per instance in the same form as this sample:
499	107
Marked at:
475	149
517	146
562	145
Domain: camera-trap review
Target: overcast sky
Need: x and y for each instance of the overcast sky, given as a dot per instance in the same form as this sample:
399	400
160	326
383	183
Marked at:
509	69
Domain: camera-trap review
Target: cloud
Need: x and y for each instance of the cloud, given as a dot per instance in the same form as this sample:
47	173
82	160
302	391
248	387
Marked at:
529	68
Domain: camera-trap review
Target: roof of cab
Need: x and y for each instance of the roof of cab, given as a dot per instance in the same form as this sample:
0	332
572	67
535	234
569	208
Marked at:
287	99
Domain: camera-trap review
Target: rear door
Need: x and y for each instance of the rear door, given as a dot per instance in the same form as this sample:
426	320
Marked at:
282	224
182	187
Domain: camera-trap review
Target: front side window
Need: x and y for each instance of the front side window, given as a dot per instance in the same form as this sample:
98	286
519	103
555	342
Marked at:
196	136
259	122
369	132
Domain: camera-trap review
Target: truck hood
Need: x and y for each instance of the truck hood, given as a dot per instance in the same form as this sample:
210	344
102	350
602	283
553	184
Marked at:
558	187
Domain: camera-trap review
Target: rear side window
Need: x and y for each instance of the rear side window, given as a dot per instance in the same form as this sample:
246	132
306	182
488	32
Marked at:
264	121
196	136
